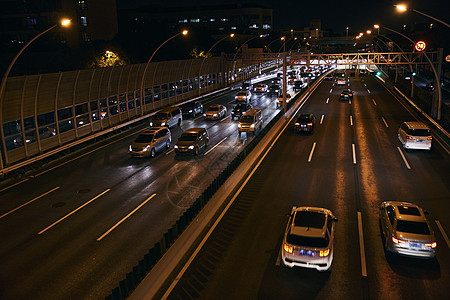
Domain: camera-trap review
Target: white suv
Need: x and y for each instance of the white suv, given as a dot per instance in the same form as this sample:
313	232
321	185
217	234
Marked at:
309	237
415	135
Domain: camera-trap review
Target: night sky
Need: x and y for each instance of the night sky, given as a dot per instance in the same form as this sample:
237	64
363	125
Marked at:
335	15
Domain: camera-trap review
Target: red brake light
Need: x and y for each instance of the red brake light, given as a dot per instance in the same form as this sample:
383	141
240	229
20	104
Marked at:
432	245
324	253
408	137
309	124
429	138
397	241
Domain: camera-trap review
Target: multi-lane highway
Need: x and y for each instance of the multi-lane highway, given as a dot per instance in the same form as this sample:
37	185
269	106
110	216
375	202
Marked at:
74	230
350	164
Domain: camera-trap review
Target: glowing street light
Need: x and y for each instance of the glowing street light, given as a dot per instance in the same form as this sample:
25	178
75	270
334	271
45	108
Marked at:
184	32
64	23
402	8
369	31
377	27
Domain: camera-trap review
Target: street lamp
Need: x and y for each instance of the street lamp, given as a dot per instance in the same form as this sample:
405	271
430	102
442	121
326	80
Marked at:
346	32
377	27
237	51
64	23
436	114
184	32
403	8
206	55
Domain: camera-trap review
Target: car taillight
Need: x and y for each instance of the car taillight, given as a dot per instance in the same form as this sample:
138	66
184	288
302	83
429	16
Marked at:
297	124
324	253
432	245
397	241
288	248
309	124
408	137
429	138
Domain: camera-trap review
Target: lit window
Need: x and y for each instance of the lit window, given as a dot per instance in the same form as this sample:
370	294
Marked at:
266	26
233	27
183	21
81	4
212	20
195	20
224	20
221	28
253	26
83	21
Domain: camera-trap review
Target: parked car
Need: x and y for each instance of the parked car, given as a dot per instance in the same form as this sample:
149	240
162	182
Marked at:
215	112
191	141
239	110
415	135
280	99
243	96
167	117
406	230
150	141
305	123
192	108
309	238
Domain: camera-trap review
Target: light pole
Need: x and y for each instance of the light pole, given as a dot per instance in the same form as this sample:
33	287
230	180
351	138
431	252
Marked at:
184	32
403	8
346	33
237	51
377	27
437	113
203	61
63	23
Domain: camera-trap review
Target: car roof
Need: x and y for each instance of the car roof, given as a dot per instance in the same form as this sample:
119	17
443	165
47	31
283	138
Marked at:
215	106
252	111
416	125
152	130
407	211
194	130
315	216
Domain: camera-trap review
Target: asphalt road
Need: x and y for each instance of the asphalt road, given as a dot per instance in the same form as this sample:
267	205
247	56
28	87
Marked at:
74	231
356	164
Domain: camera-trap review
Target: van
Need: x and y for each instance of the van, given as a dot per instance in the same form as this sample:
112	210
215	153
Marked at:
251	121
167	117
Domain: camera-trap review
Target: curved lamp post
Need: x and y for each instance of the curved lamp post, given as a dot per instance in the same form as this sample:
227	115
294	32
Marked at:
403	8
184	32
436	114
63	23
237	51
206	55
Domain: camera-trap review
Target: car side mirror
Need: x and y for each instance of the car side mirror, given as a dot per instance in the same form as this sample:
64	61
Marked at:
335	219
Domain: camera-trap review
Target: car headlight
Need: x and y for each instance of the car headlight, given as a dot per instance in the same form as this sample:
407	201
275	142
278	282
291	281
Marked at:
151	124
297	124
191	147
204	115
129	148
190	110
147	147
239	126
252	126
235	97
163	124
215	115
175	146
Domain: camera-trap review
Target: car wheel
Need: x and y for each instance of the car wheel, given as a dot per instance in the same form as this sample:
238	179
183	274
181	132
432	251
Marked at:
196	151
167	144
153	152
179	122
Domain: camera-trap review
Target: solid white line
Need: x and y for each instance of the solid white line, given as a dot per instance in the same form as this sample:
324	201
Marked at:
368	91
321	119
374	101
170	151
351	121
126	217
225	118
19	207
331	90
216	145
361	246
354	154
201	116
74	211
443	233
328	100
312	151
404	158
385	123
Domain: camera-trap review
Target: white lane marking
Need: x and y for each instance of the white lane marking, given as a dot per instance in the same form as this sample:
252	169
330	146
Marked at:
201	116
368	91
19	207
328	100
225	118
216	145
331	90
354	154
361	246
404	158
126	217
170	151
312	152
321	119
71	213
351	121
374	101
443	233
385	123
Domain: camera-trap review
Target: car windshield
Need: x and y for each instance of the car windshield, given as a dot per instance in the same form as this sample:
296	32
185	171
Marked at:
309	219
242	94
144	138
240	107
246	119
418	132
306	241
161	116
412	227
188	136
188	105
213	108
304	119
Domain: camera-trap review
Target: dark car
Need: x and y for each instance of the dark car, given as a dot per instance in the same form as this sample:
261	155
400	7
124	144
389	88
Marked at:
346	94
192	108
305	123
298	85
274	89
191	141
239	110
